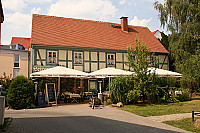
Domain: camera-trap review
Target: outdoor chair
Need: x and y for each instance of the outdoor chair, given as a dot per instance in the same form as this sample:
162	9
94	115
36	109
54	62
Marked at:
67	99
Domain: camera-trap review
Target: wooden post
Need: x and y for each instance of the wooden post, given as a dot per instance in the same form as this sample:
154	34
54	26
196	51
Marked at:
192	115
58	86
109	84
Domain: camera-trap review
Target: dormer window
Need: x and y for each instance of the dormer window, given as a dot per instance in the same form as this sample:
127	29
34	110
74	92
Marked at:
51	57
78	58
111	59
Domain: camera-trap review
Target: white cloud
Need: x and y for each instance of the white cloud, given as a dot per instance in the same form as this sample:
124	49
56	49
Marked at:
36	10
14	5
86	9
122	2
37	1
138	22
18	20
16	25
18	5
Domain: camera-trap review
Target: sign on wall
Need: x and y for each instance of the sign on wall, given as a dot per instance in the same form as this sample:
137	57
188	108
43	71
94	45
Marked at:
39	68
92	85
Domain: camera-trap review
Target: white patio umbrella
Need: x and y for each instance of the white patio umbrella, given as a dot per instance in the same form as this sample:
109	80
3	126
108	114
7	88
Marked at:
110	72
59	72
164	73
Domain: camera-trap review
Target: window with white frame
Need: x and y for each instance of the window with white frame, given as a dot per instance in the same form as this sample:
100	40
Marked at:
51	57
78	58
110	59
16	61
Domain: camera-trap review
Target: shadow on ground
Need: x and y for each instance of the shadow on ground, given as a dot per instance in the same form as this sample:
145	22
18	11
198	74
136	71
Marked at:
77	124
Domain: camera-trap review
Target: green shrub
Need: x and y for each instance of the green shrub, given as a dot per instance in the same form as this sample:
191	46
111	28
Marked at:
42	82
20	93
120	86
184	97
172	99
41	85
133	96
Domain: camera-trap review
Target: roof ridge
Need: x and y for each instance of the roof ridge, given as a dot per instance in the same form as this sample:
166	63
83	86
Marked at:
74	18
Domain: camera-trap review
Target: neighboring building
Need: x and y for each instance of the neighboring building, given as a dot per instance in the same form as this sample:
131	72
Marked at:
87	45
14	62
157	34
20	43
2	19
15	58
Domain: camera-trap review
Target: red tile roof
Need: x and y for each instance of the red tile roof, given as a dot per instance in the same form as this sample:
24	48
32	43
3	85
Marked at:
26	42
58	31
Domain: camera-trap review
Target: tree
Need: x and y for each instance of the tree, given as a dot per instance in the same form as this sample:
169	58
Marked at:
182	18
140	59
20	93
164	41
5	81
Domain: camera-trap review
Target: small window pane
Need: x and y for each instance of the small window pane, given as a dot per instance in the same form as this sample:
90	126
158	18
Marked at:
112	57
54	60
15	73
80	61
50	54
16	64
54	54
80	55
50	60
76	55
16	58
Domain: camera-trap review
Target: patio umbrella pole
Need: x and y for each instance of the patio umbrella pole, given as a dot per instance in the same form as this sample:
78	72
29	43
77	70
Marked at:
109	86
58	86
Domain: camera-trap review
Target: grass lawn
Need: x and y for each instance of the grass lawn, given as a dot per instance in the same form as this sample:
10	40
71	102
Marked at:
163	109
185	124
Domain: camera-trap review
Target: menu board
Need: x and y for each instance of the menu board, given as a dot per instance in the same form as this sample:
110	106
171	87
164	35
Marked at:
92	85
51	92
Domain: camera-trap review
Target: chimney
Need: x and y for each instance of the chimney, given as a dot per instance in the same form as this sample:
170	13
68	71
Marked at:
124	24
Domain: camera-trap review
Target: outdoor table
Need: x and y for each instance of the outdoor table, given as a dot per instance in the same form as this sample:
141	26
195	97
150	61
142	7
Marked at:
88	93
74	97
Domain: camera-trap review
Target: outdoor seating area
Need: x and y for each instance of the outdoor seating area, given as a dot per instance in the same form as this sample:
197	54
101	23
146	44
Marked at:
73	86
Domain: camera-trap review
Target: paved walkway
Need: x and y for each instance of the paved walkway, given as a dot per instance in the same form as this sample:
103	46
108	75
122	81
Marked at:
172	117
81	118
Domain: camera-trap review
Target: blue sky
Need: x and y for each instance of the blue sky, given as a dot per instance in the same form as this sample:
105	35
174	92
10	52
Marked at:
18	13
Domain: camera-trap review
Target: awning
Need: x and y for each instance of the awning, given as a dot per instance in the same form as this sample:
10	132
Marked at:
59	72
164	73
